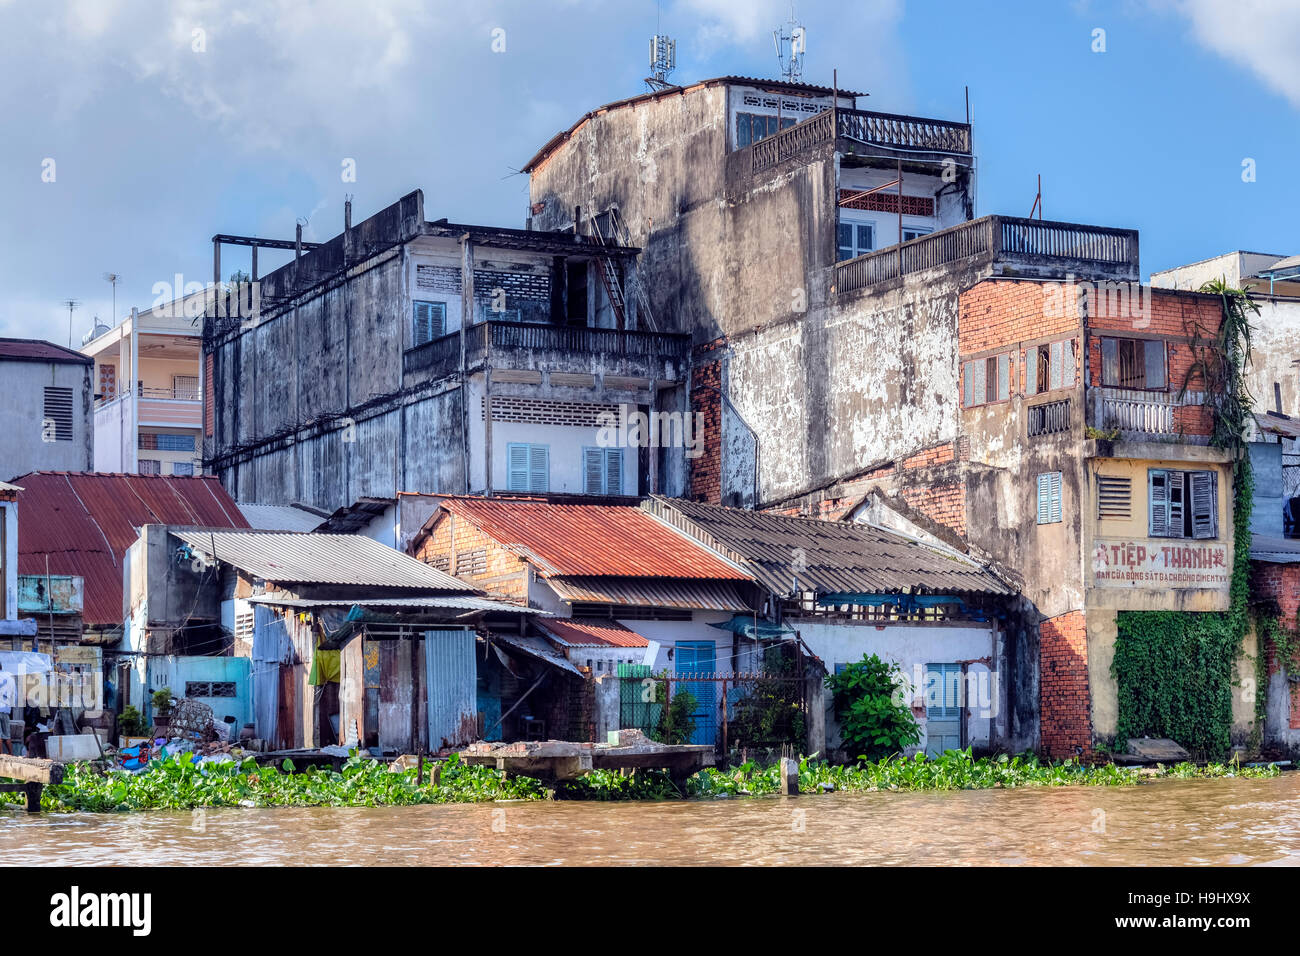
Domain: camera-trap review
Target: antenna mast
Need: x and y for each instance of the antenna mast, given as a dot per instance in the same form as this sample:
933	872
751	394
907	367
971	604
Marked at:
71	304
663	60
796	42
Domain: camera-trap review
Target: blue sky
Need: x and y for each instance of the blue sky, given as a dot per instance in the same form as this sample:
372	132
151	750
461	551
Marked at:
157	144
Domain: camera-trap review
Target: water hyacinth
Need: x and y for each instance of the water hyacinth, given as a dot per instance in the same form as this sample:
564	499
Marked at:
179	783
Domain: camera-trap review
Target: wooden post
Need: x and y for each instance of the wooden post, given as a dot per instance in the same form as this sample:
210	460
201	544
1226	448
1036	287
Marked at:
789	777
724	718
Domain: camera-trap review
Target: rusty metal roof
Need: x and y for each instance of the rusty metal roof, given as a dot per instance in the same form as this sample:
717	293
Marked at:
85	521
38	350
826	556
580	633
653	592
320	559
592	540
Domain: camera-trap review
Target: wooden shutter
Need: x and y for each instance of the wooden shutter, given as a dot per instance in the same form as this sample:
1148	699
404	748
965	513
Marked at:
592	470
613	471
539	467
1031	370
1004	377
1165	497
1049	497
517	467
1067	363
1205	511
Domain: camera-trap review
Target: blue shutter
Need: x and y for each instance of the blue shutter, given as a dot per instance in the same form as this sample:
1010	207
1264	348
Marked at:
613	471
1158	503
517	465
539	467
1205	511
592	470
1049	497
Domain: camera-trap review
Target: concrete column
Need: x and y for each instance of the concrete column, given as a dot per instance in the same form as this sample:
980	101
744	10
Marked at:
816	716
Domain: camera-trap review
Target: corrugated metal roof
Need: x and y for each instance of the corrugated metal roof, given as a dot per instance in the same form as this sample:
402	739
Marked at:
1274	550
38	350
465	602
592	633
280	518
827	556
538	648
1278	424
652	592
592	540
320	559
85	521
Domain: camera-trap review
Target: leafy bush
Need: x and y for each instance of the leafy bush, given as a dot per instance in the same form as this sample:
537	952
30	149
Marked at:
130	723
872	723
677	720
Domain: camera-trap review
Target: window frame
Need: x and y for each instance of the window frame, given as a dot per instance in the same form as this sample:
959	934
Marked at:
1118	379
918	230
1188	510
1061	357
416	341
607	455
1003	362
531	471
855	224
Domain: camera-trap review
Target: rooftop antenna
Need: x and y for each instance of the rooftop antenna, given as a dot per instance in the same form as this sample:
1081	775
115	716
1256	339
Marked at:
663	58
71	304
797	41
113	277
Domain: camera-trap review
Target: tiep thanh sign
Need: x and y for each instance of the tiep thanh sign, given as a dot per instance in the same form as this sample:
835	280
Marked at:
1157	563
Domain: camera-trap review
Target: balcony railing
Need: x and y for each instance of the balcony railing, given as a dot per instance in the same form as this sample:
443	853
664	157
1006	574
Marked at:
874	129
175	392
1133	412
1049	418
1035	242
442	355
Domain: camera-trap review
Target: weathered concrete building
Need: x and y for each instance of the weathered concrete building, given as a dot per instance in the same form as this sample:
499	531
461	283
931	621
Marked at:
430	356
1006	383
45	393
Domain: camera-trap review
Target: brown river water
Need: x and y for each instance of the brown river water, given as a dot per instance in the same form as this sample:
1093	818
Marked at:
1198	822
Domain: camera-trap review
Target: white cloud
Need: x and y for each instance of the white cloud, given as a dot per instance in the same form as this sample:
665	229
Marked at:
1261	35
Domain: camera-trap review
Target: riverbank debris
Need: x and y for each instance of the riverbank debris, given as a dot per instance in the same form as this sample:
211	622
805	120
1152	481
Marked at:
567	760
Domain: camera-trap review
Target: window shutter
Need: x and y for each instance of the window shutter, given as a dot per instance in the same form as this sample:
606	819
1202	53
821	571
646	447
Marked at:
1176	504
1067	364
1031	370
438	319
539	468
1054	496
613	471
1154	357
1114	497
422	331
1044	498
592	473
1109	361
58	411
1158	502
1204	504
968	385
1004	377
1054	366
517	463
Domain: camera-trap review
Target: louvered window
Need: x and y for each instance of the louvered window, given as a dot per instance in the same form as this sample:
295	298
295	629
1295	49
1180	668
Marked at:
529	467
430	321
1183	504
57	425
1114	497
602	471
1049	497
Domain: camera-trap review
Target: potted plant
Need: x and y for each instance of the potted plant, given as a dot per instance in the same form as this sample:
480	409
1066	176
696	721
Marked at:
130	726
162	706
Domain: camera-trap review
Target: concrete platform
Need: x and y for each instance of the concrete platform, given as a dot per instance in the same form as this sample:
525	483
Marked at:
565	760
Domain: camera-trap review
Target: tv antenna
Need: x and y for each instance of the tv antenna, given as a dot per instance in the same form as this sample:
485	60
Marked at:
113	277
71	304
796	41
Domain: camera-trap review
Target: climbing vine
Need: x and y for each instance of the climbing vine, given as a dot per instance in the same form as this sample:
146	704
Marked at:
1174	669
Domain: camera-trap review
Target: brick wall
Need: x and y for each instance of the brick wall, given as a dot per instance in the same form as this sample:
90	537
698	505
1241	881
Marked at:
1280	583
1065	703
454	544
1002	312
705	475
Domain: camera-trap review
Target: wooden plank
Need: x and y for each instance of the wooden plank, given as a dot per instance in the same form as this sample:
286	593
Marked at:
31	769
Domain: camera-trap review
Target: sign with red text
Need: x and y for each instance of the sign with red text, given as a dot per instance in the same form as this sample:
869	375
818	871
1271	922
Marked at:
1161	563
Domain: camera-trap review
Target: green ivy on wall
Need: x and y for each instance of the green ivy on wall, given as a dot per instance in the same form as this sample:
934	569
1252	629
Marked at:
1174	669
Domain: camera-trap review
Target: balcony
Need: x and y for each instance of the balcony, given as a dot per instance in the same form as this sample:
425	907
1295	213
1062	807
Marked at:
166	407
860	128
528	345
1138	416
1048	418
1001	245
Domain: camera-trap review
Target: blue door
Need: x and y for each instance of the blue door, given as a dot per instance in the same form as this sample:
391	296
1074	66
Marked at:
699	657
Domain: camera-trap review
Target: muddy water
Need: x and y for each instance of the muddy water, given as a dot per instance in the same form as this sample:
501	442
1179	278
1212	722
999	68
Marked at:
1224	822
